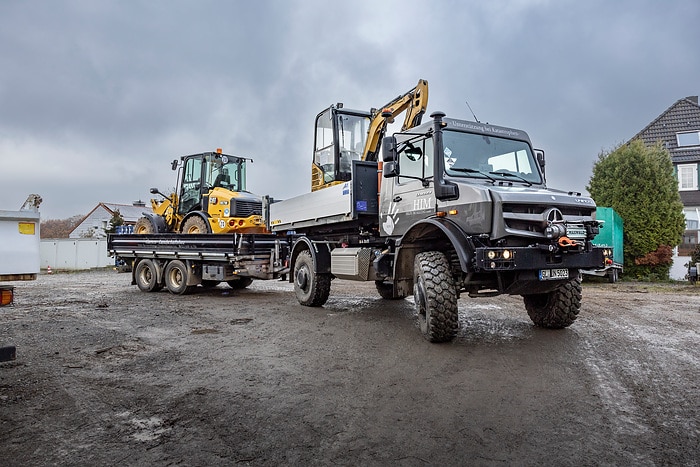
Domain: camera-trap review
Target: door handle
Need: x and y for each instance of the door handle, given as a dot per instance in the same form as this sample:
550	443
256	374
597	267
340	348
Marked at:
397	198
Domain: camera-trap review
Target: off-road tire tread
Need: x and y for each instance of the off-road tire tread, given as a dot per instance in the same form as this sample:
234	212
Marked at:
557	309
443	323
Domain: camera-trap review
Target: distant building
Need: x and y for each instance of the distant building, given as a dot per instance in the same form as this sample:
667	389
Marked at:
94	224
678	129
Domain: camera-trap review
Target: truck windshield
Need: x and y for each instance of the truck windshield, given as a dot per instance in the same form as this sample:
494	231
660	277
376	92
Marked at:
489	157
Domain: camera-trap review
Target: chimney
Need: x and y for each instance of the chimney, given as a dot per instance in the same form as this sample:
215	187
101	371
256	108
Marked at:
141	204
693	99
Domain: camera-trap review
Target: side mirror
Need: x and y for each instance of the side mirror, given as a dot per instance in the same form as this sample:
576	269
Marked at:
154	191
390	169
389	149
539	154
173	166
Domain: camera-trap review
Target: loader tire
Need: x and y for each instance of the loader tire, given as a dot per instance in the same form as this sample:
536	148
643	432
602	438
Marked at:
146	276
144	226
311	289
435	295
241	283
195	225
175	276
556	309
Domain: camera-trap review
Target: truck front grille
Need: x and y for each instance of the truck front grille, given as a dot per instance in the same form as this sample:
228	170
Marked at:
531	219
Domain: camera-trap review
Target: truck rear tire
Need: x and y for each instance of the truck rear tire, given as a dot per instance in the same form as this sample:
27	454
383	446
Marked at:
176	275
556	309
241	283
311	289
613	275
195	225
144	226
146	276
435	296
386	290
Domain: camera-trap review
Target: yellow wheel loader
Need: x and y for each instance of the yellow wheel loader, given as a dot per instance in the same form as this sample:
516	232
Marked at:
210	197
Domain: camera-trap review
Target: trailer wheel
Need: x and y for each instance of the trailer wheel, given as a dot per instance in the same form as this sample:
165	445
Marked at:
176	275
386	290
311	289
556	309
195	225
144	226
613	275
435	296
146	276
241	283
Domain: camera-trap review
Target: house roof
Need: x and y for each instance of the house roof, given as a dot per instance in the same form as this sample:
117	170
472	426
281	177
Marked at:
129	213
683	115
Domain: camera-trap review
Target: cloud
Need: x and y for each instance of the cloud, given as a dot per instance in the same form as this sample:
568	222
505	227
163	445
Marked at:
98	97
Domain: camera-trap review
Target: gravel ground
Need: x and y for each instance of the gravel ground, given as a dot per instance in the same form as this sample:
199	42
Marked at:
106	375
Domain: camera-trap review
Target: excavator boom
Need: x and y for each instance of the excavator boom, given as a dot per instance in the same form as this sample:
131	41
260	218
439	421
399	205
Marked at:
414	103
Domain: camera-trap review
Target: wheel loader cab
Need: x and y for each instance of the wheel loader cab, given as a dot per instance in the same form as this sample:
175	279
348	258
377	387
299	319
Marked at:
201	173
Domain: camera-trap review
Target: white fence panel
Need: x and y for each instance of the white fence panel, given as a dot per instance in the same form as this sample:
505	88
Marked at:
74	253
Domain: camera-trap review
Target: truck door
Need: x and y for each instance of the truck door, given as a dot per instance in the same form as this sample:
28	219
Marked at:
407	199
191	194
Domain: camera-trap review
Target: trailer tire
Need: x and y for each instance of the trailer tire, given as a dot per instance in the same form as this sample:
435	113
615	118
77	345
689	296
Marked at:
311	288
435	295
613	275
144	226
176	275
386	290
195	225
241	283
556	309
146	276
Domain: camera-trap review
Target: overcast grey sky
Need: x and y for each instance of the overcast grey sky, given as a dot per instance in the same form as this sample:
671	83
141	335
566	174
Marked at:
98	97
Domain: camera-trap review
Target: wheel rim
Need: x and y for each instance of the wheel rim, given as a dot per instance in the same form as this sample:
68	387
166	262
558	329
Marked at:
421	302
176	277
302	279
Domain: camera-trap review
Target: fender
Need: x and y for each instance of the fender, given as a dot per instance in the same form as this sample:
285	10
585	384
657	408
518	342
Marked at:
157	221
320	253
201	214
430	229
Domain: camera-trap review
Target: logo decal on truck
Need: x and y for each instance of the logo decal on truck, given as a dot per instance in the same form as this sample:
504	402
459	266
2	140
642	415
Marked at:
391	218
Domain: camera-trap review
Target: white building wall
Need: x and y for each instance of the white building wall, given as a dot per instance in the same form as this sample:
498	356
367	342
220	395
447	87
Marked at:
75	253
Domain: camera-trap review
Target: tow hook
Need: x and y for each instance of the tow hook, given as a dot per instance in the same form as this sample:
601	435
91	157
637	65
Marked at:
566	242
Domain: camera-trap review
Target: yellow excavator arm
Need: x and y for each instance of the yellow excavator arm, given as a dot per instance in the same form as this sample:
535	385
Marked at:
414	103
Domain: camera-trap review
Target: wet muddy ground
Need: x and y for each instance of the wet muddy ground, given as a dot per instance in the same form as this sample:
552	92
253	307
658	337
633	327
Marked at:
106	375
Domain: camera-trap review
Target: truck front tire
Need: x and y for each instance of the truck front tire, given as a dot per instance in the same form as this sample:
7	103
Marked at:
311	289
556	309
435	296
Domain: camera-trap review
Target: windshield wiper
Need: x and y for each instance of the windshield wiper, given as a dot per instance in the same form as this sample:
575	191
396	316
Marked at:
511	174
473	171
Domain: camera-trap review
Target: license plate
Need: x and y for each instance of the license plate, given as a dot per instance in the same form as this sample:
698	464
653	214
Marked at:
575	233
553	274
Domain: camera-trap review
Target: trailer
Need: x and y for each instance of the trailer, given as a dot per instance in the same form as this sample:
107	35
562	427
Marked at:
181	262
610	238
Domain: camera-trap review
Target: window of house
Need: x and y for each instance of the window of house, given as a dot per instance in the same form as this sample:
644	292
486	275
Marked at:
690	138
688	177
